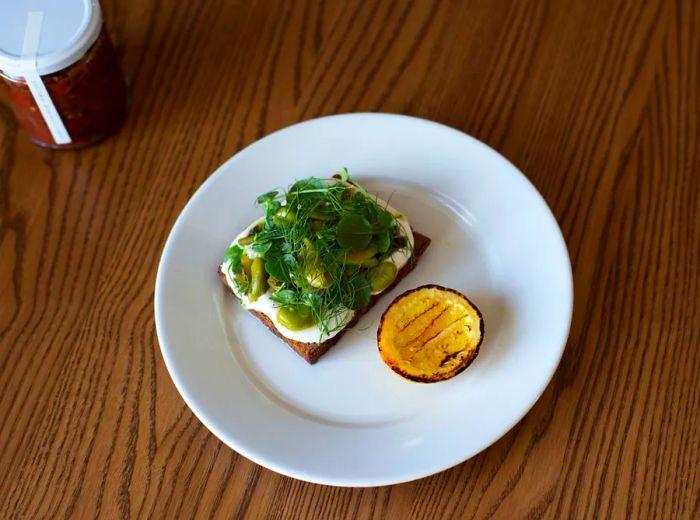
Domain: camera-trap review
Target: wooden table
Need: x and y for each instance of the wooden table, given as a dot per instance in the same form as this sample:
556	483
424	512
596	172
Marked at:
597	102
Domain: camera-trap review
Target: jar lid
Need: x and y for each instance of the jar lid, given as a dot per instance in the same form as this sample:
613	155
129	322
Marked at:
68	29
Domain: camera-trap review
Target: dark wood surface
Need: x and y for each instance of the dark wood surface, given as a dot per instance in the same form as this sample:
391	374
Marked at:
598	102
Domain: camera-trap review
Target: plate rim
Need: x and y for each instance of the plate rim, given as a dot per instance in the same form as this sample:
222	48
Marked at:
295	472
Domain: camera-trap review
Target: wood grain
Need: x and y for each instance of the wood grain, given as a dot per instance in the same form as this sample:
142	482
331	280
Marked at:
598	102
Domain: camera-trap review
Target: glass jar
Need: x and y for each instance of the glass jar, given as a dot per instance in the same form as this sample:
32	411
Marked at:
79	70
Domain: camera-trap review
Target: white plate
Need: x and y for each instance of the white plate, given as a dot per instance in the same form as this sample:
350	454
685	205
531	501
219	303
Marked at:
349	420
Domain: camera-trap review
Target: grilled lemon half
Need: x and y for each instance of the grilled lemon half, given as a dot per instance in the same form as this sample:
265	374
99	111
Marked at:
430	334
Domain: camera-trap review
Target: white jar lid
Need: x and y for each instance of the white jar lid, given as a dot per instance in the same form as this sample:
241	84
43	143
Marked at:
68	29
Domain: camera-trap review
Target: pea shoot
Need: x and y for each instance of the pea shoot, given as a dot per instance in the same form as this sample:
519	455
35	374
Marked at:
323	247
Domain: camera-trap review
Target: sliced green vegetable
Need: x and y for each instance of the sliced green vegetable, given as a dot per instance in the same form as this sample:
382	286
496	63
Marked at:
317	276
382	276
284	216
365	257
295	317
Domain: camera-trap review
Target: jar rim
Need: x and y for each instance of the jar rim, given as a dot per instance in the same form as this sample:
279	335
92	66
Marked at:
69	53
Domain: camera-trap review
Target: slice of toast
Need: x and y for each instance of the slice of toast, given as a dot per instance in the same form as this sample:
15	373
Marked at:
312	351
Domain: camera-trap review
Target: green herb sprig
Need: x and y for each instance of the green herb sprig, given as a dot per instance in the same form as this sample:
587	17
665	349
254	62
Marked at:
310	239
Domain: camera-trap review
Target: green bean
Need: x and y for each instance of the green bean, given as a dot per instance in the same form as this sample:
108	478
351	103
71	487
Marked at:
258	283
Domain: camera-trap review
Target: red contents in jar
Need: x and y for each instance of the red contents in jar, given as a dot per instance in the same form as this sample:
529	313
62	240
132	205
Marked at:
89	95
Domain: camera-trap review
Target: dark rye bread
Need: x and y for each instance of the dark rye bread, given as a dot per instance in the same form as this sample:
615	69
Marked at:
312	351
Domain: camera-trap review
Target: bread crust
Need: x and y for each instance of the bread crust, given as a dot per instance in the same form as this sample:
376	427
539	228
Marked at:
312	351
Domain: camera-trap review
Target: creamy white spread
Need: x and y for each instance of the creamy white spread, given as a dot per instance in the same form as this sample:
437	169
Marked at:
269	308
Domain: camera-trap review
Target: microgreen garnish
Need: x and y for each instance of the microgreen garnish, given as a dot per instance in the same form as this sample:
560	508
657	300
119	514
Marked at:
233	255
321	242
353	232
